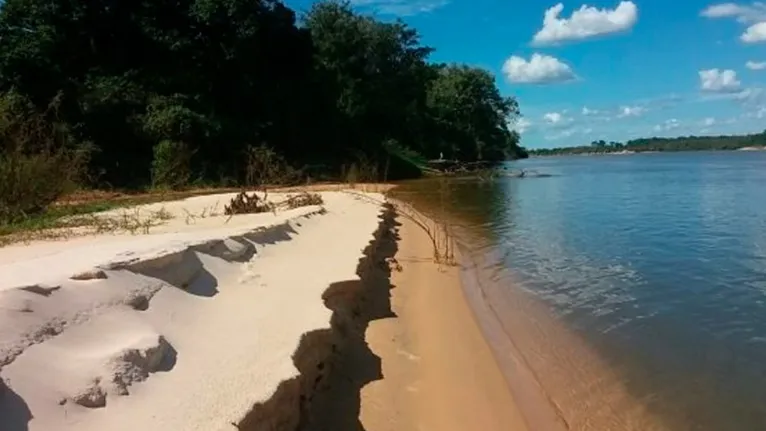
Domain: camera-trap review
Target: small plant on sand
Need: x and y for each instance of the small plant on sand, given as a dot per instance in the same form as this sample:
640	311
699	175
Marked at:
127	220
208	211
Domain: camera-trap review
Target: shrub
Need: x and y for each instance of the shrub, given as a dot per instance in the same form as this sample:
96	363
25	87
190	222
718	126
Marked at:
38	161
171	165
264	166
31	182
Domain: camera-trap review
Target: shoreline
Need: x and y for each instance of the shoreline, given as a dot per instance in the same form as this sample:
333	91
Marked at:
435	350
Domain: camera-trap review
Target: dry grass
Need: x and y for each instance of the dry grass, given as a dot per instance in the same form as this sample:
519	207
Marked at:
80	213
442	239
303	199
129	220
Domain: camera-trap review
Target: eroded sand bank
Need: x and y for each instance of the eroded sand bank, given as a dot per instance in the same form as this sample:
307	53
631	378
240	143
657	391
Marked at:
184	329
420	361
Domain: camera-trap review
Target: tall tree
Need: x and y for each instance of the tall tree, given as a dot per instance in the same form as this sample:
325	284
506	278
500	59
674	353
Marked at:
470	116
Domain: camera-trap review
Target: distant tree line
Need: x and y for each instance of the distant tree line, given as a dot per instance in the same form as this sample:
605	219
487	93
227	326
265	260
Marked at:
682	143
181	92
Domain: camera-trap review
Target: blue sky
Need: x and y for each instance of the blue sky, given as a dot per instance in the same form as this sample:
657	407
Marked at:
612	70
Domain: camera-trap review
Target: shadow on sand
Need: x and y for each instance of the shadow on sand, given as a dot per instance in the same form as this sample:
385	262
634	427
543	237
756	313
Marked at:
336	363
14	412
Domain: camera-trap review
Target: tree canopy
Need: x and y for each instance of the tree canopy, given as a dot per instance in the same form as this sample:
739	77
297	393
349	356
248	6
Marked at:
208	80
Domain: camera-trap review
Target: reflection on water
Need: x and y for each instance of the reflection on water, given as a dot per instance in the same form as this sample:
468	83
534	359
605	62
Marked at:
656	263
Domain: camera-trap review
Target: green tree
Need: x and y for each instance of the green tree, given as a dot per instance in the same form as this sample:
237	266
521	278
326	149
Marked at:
469	116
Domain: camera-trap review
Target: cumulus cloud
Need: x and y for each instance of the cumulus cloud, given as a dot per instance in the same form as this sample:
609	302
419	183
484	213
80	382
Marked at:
755	33
631	111
708	121
719	81
743	13
756	65
753	14
585	23
539	69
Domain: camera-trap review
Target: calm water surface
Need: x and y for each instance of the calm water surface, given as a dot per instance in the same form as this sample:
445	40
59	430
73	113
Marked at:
656	263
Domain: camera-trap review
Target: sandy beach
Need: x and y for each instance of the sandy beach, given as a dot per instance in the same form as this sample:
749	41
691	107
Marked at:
435	350
321	317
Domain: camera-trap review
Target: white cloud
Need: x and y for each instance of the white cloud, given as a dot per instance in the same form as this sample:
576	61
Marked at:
753	14
631	111
751	96
708	121
540	69
756	65
742	13
553	117
754	33
522	125
667	125
585	23
557	120
400	7
719	81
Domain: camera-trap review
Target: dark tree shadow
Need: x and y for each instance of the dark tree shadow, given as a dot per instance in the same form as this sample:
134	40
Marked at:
14	412
335	405
335	364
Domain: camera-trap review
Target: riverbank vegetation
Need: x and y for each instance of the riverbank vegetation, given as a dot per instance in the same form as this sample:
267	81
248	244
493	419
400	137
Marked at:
200	93
682	143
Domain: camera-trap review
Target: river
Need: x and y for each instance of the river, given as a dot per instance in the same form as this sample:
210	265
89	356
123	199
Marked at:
633	287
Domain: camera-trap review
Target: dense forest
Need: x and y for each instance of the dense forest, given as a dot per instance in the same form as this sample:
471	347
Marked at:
682	143
142	93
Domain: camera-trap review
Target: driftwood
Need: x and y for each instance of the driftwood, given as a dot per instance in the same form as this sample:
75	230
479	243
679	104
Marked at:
304	199
456	166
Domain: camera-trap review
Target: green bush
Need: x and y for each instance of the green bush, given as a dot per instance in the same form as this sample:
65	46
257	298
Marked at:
31	182
171	165
38	162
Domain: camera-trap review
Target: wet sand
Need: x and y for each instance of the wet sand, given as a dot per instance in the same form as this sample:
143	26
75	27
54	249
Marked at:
434	352
423	363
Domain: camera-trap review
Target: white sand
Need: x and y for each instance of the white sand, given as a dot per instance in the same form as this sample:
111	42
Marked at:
185	328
